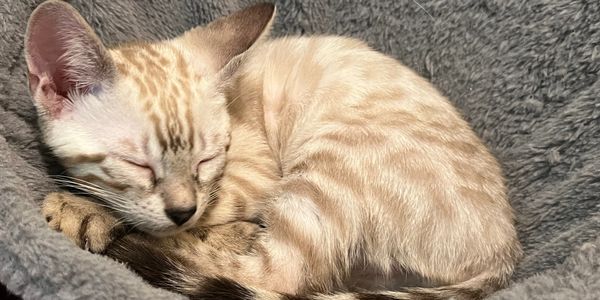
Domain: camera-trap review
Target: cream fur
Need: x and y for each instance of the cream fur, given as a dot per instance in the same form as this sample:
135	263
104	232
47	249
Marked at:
355	164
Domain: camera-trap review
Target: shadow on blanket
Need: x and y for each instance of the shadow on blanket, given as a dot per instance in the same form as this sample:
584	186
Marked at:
6	295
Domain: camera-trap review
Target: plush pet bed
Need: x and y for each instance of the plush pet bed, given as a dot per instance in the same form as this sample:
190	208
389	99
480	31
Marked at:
523	73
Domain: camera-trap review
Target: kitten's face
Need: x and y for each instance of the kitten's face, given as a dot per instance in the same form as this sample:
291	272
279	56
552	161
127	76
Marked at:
155	139
144	127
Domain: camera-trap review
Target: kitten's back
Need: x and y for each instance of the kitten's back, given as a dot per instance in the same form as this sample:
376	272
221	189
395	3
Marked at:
413	181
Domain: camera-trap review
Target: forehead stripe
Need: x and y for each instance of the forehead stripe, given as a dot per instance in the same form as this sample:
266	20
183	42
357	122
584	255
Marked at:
163	82
159	135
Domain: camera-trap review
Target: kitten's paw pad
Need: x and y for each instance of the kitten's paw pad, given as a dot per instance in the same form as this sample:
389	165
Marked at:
87	224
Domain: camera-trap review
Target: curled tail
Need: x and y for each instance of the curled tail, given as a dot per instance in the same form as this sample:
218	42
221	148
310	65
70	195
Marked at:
166	269
222	288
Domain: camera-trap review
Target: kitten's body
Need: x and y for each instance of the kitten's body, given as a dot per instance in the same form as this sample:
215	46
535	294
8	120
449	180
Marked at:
361	171
378	170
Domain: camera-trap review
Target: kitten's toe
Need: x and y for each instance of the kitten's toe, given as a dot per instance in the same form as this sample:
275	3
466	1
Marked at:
52	208
97	231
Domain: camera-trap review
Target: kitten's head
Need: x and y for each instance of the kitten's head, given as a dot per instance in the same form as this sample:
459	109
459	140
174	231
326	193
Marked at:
143	126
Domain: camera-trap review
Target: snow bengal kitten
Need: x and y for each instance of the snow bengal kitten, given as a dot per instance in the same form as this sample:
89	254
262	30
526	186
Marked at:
294	168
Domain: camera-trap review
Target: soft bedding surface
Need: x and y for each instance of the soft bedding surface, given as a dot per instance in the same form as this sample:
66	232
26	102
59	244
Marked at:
525	74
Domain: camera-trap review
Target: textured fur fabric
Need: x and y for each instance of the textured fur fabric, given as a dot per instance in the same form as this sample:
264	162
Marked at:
524	73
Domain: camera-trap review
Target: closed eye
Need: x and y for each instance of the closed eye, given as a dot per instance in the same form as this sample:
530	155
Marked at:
144	167
205	160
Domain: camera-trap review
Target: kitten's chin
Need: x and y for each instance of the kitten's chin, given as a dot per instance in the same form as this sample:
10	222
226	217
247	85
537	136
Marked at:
166	233
173	229
170	231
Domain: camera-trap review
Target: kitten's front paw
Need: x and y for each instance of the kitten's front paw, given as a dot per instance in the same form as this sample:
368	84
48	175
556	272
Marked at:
89	225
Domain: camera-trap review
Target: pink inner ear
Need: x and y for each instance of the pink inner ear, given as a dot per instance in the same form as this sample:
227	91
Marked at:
64	56
54	103
47	48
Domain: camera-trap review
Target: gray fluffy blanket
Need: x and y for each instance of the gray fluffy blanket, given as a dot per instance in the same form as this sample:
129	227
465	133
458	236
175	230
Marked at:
524	74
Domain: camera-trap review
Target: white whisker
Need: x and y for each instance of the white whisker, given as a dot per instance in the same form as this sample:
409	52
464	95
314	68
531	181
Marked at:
423	8
232	101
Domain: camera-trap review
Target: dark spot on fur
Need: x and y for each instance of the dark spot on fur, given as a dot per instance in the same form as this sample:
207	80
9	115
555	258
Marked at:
259	220
472	293
81	234
156	265
293	297
199	233
60	212
117	232
62	207
368	296
222	288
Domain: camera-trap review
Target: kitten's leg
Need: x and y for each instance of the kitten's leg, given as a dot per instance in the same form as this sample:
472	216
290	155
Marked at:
299	250
86	223
190	259
170	262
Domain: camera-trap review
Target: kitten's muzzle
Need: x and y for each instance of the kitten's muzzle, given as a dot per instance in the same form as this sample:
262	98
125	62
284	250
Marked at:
180	203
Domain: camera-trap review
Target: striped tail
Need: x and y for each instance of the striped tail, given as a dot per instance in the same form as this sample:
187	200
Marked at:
171	271
222	288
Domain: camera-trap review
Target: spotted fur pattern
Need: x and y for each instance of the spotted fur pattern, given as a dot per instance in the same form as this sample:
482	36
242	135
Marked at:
313	164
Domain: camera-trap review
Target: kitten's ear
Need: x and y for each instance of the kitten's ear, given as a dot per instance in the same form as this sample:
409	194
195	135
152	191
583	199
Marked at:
227	37
64	57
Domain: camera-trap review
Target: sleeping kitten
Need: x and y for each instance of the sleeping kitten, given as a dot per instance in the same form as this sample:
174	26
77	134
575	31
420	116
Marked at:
257	168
